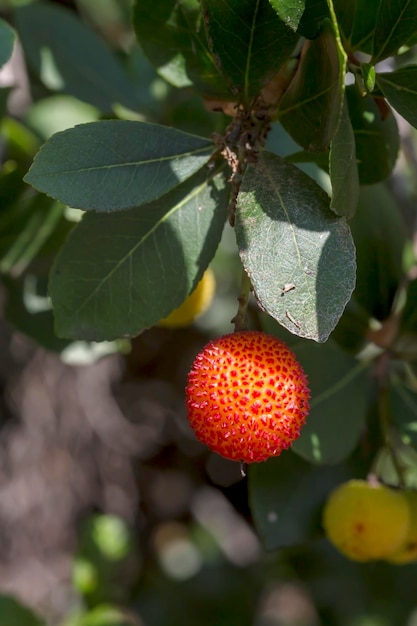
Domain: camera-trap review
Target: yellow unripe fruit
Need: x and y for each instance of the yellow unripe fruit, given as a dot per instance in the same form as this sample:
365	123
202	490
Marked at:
196	304
366	521
407	553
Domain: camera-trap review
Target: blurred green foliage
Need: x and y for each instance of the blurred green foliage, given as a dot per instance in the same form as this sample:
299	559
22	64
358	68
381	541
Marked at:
183	65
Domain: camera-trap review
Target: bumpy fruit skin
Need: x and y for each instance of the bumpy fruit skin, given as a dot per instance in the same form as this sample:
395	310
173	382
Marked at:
366	521
247	396
196	304
407	552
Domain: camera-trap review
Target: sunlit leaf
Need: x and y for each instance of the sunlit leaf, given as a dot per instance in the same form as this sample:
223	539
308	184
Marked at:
120	273
115	164
290	11
249	42
287	235
173	38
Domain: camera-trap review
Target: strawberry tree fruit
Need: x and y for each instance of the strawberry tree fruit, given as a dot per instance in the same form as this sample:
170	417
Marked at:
407	552
247	396
195	305
366	521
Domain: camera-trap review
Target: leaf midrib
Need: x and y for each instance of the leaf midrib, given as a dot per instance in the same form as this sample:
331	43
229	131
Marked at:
127	257
96	168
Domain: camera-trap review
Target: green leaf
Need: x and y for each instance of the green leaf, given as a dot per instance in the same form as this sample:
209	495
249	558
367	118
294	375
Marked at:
13	612
115	164
119	274
69	57
400	89
379	236
343	168
339	401
173	38
409	313
286	234
29	310
290	11
395	26
357	19
104	615
315	12
7	39
24	228
4	97
286	496
311	107
249	43
368	76
59	112
404	412
376	136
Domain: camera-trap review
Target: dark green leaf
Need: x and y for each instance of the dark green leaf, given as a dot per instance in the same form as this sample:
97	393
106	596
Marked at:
409	314
290	11
7	39
12	612
400	89
396	24
121	273
376	136
113	165
379	235
343	168
357	19
4	97
173	38
321	159
339	402
24	228
351	332
68	56
315	12
249	43
286	498
404	412
30	312
311	107
287	235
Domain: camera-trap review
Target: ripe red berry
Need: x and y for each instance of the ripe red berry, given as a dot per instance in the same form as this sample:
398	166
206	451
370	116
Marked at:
247	396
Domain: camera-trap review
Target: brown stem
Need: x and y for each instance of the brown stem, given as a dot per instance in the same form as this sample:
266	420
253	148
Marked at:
240	318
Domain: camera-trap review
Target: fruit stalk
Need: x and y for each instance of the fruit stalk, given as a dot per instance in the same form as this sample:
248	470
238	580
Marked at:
240	319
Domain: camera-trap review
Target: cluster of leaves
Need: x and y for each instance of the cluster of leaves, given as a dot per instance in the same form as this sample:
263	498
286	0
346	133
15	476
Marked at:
157	198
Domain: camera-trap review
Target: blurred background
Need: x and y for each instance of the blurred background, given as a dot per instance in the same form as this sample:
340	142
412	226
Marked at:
111	513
